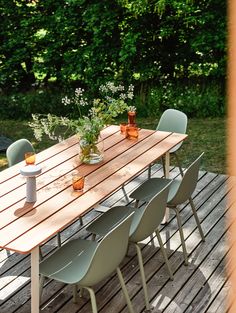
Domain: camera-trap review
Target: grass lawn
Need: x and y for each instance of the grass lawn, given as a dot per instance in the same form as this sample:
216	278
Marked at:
208	135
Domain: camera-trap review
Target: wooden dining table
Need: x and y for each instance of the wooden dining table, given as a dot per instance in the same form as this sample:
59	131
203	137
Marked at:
24	226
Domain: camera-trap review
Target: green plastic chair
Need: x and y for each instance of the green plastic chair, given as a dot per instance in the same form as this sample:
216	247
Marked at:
173	121
84	263
145	222
16	151
180	191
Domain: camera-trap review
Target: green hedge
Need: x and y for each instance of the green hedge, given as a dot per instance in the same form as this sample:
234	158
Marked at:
196	100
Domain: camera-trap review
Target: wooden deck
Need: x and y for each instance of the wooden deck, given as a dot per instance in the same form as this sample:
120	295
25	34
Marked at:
200	287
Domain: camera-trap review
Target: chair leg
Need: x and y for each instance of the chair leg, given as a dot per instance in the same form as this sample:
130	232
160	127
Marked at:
40	254
75	293
136	204
149	171
41	282
164	254
58	239
124	289
81	292
179	164
141	268
93	300
196	219
81	221
163	165
181	236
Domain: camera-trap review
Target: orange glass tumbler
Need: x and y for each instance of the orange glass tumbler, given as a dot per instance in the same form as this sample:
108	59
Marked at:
77	182
123	128
30	158
131	132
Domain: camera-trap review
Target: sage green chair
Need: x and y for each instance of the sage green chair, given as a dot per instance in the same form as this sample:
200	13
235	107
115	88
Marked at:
180	190
145	222
16	151
173	121
84	263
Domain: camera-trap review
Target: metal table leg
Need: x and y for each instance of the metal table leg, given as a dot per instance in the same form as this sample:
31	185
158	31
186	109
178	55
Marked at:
167	171
35	280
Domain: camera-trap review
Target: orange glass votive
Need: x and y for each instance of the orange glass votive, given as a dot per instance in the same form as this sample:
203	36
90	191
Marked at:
77	182
131	117
30	158
123	128
131	132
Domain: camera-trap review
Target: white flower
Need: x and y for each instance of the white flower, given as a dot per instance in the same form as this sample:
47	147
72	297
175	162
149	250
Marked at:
123	96
79	92
65	100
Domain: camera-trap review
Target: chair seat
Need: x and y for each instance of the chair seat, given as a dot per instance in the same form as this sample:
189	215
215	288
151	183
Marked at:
63	264
152	186
103	224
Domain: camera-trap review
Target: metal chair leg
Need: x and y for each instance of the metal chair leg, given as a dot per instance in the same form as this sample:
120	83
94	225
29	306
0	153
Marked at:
181	236
163	165
149	171
93	299
136	204
179	164
81	292
75	293
41	282
140	261
59	239
196	218
40	254
124	289
164	254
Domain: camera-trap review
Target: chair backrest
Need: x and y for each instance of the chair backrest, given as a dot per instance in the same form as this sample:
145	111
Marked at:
147	219
109	253
173	121
187	184
16	151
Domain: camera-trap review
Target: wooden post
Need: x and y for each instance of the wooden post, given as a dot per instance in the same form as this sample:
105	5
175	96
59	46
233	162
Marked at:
231	89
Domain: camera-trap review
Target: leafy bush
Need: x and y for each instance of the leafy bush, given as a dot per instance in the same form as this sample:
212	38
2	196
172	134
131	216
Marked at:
22	105
195	100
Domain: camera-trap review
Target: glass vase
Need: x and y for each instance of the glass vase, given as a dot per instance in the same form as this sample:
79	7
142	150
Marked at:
91	153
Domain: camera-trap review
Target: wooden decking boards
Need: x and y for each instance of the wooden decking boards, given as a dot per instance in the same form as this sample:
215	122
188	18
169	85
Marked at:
200	287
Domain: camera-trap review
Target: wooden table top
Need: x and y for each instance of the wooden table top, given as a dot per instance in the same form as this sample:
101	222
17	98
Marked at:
24	226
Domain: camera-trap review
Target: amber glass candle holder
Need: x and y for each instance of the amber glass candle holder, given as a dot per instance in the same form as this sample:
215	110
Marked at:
131	117
30	158
131	132
123	128
77	182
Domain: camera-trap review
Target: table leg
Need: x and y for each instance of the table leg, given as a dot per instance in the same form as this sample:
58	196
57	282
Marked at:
167	170
35	280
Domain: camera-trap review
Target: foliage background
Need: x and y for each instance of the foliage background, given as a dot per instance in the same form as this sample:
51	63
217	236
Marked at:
172	51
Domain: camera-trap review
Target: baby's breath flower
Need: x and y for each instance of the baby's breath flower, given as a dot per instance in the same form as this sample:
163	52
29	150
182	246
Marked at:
65	100
112	102
79	91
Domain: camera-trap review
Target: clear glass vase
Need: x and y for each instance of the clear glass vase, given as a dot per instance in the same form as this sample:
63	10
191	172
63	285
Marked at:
91	153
